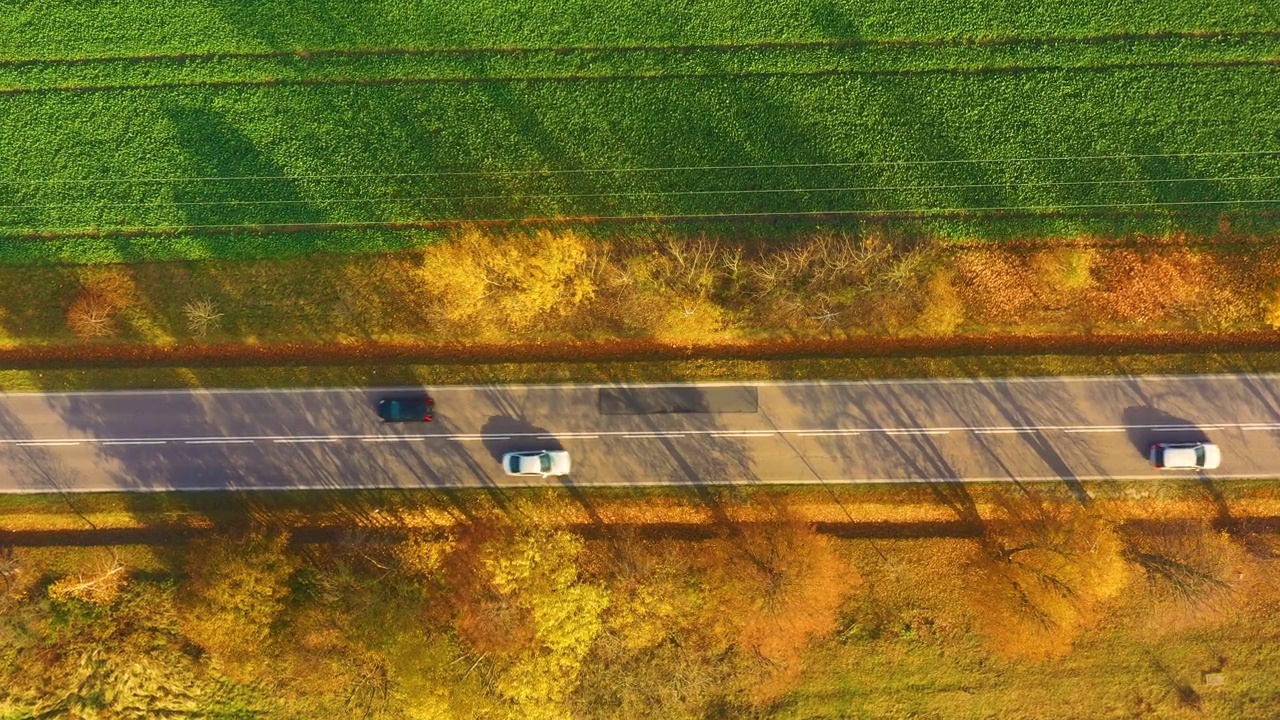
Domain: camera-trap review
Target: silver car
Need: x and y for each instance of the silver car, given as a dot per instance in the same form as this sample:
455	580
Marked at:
536	462
1186	456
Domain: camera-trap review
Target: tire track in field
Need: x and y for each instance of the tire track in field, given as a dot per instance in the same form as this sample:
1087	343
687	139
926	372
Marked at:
561	50
642	77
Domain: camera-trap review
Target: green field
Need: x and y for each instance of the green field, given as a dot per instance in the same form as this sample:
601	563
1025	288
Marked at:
178	121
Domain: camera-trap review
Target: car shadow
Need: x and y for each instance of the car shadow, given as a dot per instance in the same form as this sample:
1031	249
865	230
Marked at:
1147	426
506	434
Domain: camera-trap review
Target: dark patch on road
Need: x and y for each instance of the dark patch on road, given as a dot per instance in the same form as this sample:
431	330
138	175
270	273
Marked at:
673	400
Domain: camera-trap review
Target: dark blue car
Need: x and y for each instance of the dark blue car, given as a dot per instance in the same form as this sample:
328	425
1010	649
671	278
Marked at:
416	408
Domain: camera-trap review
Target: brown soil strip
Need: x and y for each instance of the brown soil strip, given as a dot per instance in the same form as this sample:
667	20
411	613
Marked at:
995	41
368	353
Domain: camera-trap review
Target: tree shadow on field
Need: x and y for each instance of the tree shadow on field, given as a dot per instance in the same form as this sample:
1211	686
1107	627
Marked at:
218	151
1196	185
833	21
1147	426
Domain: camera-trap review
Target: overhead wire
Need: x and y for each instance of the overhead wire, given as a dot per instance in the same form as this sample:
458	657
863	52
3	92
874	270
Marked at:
672	168
632	194
391	224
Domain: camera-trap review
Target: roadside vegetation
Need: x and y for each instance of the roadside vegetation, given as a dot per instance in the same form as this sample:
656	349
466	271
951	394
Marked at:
486	286
872	602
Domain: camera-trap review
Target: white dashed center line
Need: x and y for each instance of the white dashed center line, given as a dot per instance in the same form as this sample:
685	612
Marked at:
219	441
916	432
744	433
828	433
653	435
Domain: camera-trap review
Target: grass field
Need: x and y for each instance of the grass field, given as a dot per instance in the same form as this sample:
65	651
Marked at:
176	121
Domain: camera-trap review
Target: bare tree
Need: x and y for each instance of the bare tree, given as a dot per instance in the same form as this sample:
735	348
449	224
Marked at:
202	316
90	316
99	584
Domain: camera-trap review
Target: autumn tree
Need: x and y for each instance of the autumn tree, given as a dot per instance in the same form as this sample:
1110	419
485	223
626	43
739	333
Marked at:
539	571
1041	573
667	648
513	282
235	590
790	585
1192	571
125	660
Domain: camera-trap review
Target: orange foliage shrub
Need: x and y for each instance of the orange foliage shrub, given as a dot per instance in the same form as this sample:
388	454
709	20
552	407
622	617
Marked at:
996	284
1148	286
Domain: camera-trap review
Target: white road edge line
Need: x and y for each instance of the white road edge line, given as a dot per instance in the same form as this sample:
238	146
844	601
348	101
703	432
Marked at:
516	482
49	443
373	392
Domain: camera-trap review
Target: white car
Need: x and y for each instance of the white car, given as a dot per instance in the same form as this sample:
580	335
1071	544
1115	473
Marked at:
1186	456
536	462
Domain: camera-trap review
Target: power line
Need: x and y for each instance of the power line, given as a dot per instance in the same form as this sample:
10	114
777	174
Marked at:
672	168
920	212
634	193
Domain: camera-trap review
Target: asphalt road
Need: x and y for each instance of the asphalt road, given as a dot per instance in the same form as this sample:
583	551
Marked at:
1051	429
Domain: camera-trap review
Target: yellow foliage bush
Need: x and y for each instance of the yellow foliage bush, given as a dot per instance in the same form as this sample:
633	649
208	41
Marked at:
455	274
943	308
422	554
690	320
1065	269
1271	304
510	282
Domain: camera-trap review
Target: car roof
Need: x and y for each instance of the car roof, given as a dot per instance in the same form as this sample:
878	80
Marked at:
1180	456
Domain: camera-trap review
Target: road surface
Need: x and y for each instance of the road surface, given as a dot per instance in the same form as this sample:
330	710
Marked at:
1049	429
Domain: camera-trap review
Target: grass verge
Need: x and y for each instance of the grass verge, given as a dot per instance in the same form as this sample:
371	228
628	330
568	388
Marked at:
633	372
